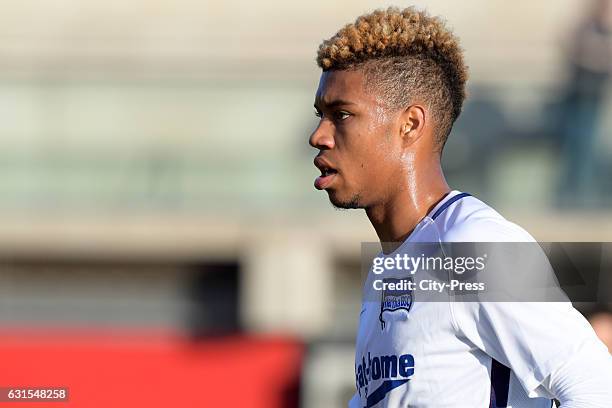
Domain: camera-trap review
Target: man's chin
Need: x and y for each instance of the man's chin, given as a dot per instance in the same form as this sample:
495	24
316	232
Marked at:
345	203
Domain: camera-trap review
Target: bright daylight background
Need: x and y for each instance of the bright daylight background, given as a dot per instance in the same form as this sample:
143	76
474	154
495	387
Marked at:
161	243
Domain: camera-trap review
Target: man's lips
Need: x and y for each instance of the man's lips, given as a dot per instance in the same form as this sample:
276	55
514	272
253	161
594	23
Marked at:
323	181
328	173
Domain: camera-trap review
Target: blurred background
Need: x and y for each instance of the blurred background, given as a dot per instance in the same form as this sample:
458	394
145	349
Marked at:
161	243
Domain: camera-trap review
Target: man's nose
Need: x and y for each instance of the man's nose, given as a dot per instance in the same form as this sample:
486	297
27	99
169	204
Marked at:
323	137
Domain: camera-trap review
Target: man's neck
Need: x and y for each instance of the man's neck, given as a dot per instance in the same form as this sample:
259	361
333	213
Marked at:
395	219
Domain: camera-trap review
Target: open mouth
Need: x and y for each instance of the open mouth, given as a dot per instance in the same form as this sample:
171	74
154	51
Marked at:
326	171
326	177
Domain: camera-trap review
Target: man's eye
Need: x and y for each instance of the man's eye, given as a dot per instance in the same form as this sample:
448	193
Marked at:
341	115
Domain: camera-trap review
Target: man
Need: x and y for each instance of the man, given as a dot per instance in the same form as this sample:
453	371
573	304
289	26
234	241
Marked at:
392	85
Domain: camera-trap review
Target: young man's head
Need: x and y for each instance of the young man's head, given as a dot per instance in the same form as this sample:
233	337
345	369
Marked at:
392	85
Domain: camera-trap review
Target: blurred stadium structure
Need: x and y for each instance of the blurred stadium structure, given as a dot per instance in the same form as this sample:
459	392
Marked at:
155	177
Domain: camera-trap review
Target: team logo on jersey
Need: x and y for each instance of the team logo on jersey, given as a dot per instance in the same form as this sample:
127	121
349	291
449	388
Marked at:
395	299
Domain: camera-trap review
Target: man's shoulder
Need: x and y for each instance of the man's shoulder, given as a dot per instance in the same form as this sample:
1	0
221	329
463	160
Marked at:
471	220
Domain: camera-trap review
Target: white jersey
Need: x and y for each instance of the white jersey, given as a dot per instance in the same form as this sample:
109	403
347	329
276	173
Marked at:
464	354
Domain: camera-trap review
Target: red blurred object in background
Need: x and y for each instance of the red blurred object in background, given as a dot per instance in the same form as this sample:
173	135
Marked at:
144	369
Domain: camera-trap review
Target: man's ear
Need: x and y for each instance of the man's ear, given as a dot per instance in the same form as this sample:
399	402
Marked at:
412	124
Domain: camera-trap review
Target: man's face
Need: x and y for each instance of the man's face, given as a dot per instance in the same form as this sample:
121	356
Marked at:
360	151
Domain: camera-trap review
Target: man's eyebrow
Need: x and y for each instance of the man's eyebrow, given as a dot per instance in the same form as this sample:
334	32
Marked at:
334	103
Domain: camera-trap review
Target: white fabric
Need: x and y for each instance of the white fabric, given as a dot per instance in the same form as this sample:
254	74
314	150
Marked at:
441	354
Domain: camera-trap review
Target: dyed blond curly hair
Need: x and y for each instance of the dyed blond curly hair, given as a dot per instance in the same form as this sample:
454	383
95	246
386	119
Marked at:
406	55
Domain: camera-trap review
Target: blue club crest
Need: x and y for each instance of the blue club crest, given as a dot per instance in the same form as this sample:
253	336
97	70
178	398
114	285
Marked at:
393	300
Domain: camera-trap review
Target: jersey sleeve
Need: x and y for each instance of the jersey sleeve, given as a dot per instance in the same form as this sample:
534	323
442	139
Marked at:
583	380
533	339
